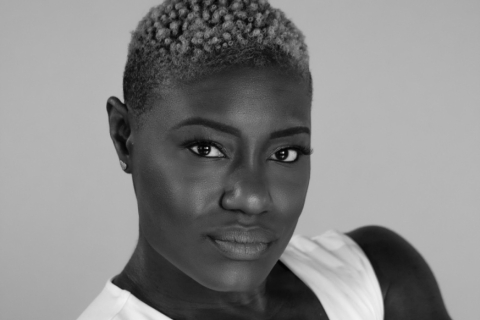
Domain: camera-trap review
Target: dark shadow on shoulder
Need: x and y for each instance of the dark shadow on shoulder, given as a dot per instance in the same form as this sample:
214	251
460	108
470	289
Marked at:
409	288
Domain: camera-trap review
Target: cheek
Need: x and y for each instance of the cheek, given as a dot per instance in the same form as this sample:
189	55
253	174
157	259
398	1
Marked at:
288	189
173	192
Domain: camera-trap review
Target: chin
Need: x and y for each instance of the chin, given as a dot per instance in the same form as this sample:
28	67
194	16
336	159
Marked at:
237	277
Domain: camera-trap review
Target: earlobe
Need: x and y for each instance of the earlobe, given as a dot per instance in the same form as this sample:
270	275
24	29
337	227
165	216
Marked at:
120	129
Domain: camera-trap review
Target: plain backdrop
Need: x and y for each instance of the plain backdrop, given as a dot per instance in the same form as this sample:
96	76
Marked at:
396	133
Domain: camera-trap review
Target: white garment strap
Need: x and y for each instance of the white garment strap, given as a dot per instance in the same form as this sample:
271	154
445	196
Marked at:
114	303
339	273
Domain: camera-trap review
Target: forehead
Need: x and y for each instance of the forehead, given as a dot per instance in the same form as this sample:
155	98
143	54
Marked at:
247	98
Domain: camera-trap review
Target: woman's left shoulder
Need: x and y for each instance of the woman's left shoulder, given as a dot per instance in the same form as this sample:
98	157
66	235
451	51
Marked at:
409	288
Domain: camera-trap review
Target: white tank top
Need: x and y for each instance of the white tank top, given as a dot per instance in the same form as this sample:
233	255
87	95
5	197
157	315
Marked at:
339	273
332	265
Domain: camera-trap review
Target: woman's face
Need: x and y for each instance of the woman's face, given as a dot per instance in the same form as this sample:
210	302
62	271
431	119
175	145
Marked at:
220	175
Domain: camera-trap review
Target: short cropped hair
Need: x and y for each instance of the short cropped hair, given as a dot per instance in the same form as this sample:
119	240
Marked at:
182	40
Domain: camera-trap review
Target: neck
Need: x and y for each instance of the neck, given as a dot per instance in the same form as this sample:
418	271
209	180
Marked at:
158	283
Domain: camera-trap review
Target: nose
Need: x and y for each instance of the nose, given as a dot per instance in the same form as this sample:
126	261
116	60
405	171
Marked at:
247	192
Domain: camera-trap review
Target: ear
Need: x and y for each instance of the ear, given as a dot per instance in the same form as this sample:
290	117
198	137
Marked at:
120	130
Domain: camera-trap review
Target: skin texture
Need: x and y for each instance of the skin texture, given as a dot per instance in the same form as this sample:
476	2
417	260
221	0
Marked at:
183	197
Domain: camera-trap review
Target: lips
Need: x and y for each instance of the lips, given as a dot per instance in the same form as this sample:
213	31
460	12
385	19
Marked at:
242	244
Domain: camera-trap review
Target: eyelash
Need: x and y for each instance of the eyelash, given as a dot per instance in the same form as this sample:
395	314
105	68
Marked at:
197	141
303	151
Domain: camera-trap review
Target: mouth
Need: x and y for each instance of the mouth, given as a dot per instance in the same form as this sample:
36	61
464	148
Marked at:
242	244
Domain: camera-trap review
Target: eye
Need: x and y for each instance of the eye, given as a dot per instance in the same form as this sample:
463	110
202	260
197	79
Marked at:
206	149
285	155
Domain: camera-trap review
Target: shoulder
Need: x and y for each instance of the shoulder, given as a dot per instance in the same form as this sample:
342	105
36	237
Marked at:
409	288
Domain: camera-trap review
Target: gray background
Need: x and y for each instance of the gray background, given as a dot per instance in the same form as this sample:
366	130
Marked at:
396	135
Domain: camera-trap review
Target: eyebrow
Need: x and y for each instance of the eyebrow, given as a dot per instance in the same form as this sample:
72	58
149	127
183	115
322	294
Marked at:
208	123
234	131
289	132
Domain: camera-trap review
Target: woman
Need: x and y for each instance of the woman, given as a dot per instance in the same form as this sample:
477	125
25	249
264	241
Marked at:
215	131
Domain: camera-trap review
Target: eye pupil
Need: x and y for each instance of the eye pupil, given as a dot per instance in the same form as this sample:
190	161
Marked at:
204	149
282	154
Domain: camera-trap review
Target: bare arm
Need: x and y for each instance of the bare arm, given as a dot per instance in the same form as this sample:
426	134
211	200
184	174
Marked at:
409	288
